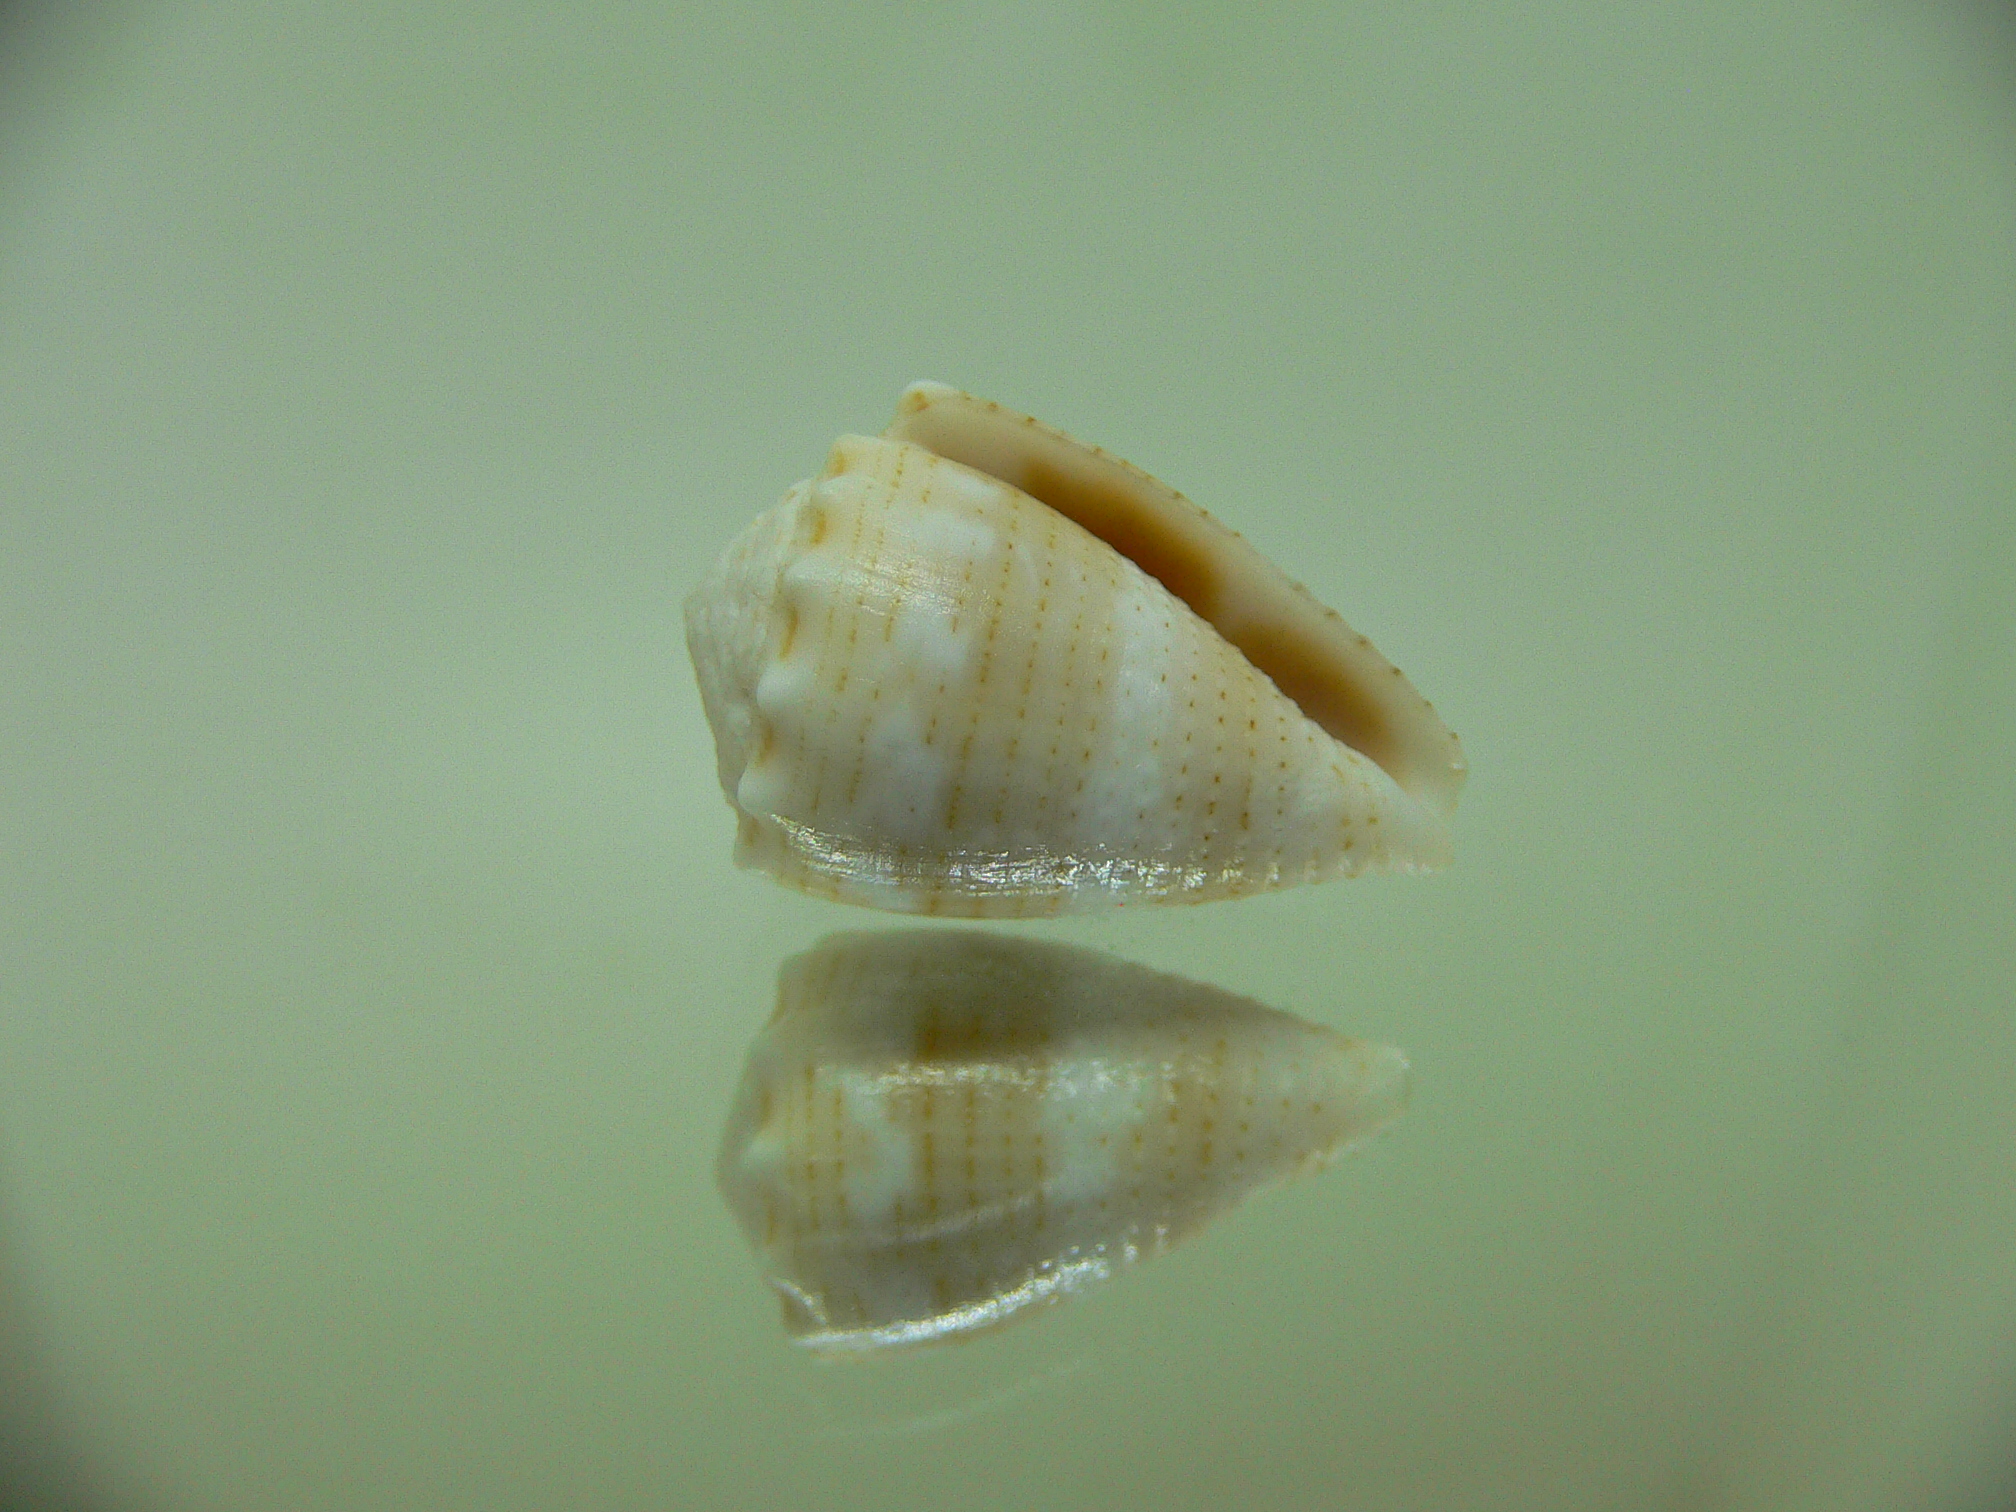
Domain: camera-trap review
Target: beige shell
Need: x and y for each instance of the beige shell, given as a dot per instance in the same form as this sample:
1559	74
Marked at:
939	1130
977	668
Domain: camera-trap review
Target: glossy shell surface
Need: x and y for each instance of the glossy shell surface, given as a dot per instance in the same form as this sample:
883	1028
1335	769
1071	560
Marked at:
940	1130
977	668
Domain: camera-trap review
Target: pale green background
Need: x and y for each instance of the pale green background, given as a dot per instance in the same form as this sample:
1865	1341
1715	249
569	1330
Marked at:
375	378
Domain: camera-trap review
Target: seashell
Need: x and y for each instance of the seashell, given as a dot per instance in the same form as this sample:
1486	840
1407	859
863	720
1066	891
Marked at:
940	1130
977	668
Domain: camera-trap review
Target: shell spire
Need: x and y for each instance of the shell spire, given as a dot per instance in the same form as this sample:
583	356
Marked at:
977	668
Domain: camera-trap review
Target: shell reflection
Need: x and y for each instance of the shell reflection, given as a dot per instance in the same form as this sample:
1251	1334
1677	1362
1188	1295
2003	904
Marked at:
978	668
939	1130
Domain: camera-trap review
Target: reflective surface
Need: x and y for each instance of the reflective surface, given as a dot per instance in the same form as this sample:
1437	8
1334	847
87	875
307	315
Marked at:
940	1132
375	381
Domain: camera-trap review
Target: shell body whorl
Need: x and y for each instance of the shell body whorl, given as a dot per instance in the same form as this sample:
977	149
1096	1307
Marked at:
933	692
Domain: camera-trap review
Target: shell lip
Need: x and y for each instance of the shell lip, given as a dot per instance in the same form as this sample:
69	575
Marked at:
1329	671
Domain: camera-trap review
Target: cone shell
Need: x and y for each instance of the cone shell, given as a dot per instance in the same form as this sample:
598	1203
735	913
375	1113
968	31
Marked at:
977	668
941	1130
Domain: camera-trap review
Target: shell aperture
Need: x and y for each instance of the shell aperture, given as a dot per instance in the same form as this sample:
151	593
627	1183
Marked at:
940	1130
977	668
